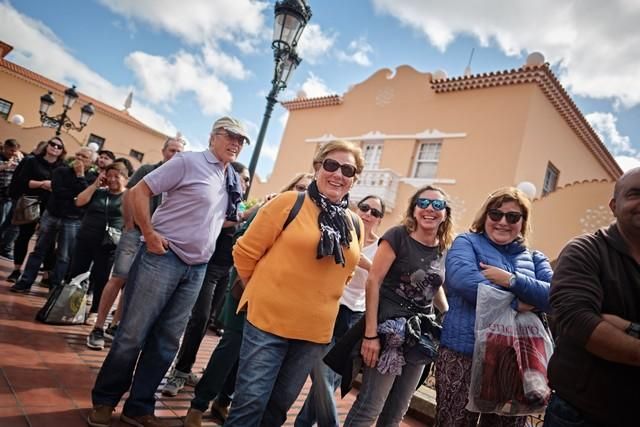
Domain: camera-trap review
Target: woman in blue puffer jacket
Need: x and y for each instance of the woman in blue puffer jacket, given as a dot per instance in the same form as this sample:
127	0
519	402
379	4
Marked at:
495	253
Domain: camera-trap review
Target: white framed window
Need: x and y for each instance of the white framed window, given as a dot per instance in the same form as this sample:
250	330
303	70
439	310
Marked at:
372	153
550	179
427	158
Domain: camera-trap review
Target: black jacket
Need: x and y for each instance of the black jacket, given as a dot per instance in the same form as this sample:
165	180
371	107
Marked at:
65	187
36	168
595	274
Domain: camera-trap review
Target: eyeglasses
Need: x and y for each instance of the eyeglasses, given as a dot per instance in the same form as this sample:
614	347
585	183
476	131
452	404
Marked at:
512	217
246	179
374	212
300	187
56	145
436	204
233	136
331	165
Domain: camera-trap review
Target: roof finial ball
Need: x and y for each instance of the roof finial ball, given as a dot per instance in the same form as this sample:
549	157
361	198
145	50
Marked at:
534	59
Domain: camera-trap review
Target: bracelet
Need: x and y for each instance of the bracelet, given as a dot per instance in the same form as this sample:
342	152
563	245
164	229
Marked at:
371	338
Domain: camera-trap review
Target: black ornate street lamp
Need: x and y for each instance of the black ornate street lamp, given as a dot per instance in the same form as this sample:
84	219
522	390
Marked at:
291	17
62	120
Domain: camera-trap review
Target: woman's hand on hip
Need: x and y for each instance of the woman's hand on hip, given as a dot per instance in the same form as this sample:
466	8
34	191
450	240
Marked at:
370	351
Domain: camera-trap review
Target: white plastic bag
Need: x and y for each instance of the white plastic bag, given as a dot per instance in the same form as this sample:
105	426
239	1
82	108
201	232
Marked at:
510	357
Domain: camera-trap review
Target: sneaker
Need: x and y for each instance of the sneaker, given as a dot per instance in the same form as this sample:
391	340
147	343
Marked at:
110	332
175	383
20	287
219	411
14	276
143	421
193	418
95	340
100	416
91	319
192	379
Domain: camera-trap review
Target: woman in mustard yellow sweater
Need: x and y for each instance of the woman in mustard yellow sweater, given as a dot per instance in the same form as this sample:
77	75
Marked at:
294	279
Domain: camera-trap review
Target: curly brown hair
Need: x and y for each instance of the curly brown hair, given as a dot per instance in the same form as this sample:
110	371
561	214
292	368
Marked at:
497	199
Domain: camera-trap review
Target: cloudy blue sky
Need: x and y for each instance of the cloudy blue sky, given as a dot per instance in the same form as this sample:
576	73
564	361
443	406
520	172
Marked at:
189	61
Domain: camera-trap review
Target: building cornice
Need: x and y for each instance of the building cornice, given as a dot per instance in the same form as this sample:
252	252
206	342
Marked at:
48	84
542	76
426	134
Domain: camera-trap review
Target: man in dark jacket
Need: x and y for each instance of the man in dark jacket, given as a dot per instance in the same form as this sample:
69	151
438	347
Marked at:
61	218
595	296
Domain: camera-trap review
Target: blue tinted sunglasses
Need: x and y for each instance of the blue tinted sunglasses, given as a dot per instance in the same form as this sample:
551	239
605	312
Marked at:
436	204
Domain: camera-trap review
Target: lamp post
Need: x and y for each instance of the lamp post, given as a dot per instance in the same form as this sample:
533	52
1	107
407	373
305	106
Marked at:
62	120
291	17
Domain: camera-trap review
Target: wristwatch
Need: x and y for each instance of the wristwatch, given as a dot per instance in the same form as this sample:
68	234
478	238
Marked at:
512	280
633	330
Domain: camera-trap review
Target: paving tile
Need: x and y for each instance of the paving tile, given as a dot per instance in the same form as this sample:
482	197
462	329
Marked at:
46	417
12	417
44	396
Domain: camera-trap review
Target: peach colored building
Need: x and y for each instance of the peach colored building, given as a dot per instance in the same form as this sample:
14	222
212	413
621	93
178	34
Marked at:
112	129
468	135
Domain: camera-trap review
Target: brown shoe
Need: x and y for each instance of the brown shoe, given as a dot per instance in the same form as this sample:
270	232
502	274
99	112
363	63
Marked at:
100	416
143	421
193	418
218	411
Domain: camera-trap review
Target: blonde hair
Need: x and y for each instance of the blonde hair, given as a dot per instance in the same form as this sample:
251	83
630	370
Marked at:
445	232
340	145
296	179
497	199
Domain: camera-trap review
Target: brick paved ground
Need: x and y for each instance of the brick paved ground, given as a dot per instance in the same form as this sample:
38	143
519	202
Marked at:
46	371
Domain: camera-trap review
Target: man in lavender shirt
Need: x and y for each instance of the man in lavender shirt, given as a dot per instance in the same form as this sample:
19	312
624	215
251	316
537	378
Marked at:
201	191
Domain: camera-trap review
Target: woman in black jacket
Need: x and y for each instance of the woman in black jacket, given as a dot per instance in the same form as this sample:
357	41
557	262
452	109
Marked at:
34	179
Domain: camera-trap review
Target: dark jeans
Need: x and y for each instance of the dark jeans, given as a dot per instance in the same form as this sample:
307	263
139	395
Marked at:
561	414
159	295
222	365
52	230
215	278
8	231
320	404
89	251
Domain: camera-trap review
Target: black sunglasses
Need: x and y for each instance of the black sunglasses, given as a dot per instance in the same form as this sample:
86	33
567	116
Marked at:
436	204
331	165
374	212
56	145
233	136
512	217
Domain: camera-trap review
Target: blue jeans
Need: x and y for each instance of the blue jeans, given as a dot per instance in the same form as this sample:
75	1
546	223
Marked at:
51	226
271	373
158	300
125	252
320	404
561	414
384	396
8	231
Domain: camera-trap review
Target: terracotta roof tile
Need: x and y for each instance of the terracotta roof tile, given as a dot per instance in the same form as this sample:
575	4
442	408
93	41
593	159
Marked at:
553	90
54	86
323	101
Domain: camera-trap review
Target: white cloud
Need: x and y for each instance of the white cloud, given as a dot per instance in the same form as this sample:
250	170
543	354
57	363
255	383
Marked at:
357	52
223	64
198	21
627	163
163	79
595	44
34	46
315	43
605	125
314	87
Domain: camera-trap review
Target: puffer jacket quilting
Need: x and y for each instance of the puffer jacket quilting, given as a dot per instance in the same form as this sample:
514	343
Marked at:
533	275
